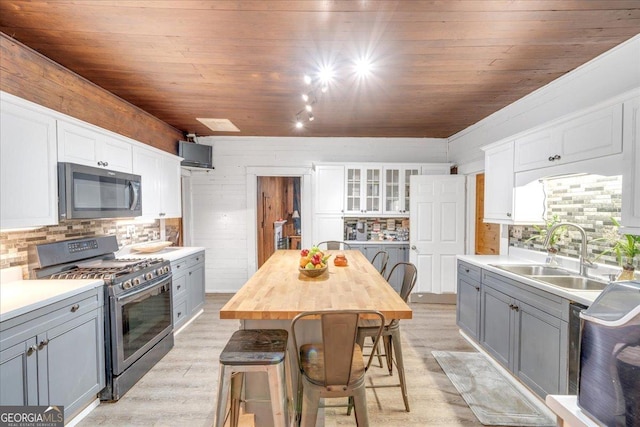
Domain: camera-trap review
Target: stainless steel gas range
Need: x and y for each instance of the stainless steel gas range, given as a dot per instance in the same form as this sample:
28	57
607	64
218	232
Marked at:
138	304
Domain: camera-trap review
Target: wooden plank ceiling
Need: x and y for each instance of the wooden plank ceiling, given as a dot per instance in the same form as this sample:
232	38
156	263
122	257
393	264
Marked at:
437	66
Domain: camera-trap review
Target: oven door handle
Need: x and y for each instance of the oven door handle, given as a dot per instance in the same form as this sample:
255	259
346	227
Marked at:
144	293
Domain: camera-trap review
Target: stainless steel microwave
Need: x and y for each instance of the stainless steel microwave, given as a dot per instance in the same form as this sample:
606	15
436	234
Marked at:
85	192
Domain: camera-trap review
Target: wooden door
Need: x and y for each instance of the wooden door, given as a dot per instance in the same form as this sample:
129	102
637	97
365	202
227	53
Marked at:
275	202
487	235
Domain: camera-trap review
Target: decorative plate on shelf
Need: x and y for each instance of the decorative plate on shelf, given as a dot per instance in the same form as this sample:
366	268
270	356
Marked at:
149	248
312	272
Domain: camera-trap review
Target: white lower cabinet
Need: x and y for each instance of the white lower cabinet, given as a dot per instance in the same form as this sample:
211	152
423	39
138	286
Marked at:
160	174
55	355
188	287
28	166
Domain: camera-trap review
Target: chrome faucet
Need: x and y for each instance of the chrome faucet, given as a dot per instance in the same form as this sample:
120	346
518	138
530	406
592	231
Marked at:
585	264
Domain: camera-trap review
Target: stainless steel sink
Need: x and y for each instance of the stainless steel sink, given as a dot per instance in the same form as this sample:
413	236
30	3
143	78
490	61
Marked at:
578	283
533	270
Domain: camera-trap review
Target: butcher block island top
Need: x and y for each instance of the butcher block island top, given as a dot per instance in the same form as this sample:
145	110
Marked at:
279	291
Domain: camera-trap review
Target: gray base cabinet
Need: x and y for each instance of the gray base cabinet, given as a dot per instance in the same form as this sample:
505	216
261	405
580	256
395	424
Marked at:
468	299
523	328
55	355
397	253
188	287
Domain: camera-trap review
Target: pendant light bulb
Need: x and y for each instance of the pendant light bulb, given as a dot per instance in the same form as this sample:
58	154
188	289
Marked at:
305	97
308	107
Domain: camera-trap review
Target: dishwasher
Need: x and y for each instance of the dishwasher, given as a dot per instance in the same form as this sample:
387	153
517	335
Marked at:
574	346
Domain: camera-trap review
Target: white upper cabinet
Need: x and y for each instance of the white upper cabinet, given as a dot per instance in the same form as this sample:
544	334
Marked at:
631	168
396	188
329	189
160	183
503	202
363	190
586	136
28	167
88	146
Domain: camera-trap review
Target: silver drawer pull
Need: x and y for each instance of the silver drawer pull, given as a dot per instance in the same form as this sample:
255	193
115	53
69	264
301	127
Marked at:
42	344
31	350
75	307
179	286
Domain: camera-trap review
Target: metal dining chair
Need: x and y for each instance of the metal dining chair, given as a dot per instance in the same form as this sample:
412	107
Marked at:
380	260
334	245
391	331
334	367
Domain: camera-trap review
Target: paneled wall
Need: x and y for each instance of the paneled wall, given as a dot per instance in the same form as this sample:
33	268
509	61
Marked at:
29	75
219	197
612	73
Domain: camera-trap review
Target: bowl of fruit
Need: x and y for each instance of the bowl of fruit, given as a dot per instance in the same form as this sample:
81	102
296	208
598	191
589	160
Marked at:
313	262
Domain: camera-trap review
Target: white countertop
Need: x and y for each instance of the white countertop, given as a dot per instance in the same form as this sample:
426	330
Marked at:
566	407
21	296
171	253
485	261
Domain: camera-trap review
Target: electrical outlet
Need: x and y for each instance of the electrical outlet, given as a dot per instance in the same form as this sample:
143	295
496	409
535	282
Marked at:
516	231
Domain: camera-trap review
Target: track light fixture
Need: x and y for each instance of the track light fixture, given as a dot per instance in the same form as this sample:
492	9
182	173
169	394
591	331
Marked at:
310	98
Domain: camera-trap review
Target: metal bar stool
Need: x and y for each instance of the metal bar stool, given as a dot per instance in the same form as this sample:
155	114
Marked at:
253	350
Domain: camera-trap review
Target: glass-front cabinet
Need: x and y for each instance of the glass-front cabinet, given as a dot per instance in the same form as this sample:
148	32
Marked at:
363	190
396	189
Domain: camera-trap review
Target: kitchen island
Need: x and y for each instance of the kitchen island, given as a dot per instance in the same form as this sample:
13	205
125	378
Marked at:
277	292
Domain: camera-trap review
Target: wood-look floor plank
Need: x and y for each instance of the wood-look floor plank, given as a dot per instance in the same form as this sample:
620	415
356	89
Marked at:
181	389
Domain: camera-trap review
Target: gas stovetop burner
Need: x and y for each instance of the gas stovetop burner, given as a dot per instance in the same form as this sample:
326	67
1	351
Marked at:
94	258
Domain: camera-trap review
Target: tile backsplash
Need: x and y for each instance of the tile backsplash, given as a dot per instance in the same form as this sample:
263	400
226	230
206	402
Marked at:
587	200
15	245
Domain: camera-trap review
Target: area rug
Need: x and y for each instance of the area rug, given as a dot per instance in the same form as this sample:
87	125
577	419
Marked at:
492	397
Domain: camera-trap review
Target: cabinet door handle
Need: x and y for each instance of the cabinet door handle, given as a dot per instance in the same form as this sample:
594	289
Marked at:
31	350
466	270
551	158
179	286
178	266
190	273
179	313
477	288
509	214
42	344
75	307
198	259
516	308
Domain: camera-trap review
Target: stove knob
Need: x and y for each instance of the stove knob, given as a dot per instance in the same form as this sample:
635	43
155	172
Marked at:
127	284
136	281
148	276
160	271
167	269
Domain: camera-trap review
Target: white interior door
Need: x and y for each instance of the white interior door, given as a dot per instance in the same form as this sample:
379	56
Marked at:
437	230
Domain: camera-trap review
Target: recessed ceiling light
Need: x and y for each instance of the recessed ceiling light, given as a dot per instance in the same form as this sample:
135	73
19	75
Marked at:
326	74
219	125
363	67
